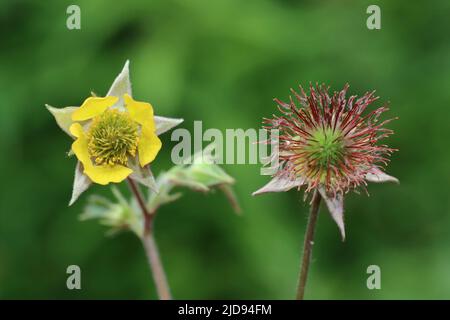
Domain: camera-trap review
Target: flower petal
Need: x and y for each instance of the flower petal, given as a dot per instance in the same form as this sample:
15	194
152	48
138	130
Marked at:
80	145
121	85
148	145
93	106
81	183
141	112
103	174
164	124
280	184
63	117
336	207
378	176
143	175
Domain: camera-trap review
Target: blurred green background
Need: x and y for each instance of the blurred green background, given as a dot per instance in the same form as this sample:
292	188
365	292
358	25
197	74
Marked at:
223	62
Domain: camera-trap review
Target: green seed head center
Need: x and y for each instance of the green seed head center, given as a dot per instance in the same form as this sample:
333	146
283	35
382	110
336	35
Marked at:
326	147
112	138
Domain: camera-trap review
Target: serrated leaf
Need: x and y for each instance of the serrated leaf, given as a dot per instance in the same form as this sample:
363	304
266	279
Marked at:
208	174
120	215
189	183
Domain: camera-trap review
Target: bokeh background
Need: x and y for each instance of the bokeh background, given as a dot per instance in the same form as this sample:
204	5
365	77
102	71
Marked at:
223	62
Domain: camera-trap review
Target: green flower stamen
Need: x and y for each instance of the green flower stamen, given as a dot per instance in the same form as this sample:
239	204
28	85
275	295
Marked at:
326	147
112	138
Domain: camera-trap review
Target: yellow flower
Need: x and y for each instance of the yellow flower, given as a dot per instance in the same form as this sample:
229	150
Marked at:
116	137
107	137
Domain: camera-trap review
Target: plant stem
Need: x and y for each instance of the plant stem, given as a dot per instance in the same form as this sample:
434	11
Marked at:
308	244
154	261
151	250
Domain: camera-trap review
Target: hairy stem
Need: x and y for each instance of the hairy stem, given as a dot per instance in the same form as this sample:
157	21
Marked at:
154	261
151	250
308	244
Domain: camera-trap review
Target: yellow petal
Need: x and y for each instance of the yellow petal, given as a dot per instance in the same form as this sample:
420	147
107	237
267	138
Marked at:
93	106
149	143
141	112
148	146
80	145
103	174
76	130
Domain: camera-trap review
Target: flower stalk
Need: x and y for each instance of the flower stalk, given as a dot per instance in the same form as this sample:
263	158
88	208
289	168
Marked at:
116	139
308	244
328	145
150	247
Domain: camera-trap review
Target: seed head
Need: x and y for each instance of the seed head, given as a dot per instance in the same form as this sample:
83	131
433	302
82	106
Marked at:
327	141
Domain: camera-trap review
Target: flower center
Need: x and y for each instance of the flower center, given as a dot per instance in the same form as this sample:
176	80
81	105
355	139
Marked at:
326	148
112	137
321	155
